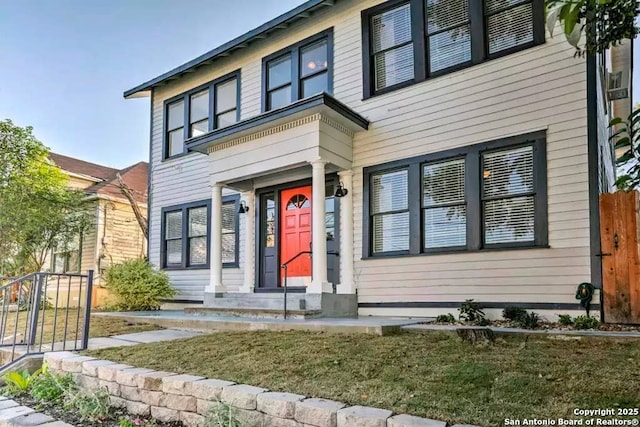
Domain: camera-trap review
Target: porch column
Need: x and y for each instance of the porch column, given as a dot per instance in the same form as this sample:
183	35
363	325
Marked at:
347	284
215	261
318	233
249	242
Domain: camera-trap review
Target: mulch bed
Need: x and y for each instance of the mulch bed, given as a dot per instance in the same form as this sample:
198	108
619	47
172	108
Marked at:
116	414
553	325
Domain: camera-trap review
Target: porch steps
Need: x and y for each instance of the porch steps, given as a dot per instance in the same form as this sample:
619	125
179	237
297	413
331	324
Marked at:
254	312
260	306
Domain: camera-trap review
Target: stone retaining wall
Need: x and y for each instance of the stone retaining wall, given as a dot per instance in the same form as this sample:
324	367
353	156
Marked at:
168	397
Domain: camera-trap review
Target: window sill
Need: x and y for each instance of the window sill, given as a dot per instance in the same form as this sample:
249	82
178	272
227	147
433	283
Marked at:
199	267
177	156
455	252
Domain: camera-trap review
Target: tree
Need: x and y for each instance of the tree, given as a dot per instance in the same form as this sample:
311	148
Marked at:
593	26
626	136
37	211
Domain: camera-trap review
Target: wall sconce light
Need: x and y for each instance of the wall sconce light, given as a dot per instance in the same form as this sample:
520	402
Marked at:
243	207
341	191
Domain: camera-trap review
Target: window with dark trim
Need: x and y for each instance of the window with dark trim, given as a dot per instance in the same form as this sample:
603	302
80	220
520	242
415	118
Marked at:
212	106
297	72
409	41
186	230
484	196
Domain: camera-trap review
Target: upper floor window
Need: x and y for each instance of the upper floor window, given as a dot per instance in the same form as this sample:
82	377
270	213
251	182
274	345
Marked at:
297	72
409	41
212	106
482	196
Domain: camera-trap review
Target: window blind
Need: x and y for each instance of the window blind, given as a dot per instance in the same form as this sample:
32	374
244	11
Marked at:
508	194
392	47
445	214
510	27
390	206
449	33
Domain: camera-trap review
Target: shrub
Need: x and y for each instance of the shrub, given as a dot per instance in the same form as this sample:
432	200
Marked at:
565	319
49	387
93	406
446	318
586	322
221	415
482	321
137	286
528	320
513	313
470	311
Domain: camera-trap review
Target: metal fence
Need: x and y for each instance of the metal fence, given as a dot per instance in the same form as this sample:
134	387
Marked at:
43	312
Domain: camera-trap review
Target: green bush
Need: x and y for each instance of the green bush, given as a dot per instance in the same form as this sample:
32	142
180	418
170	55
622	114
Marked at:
470	311
92	405
586	322
513	313
446	318
528	320
565	319
49	387
19	383
137	286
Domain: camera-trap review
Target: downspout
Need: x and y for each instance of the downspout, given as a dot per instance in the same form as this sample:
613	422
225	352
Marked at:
149	192
594	174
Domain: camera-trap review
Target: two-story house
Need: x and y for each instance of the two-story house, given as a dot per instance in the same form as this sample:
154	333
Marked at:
417	153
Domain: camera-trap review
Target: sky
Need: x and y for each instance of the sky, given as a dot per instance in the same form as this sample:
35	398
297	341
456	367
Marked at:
64	64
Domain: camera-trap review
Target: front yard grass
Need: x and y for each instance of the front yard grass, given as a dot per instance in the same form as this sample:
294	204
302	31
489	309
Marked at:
100	326
431	375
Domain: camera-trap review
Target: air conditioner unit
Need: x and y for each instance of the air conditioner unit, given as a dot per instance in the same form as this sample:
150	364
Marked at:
618	85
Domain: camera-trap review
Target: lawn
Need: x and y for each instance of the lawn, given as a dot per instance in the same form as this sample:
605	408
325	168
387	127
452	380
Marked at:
431	375
99	327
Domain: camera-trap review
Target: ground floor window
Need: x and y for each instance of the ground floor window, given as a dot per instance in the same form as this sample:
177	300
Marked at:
186	231
66	259
483	196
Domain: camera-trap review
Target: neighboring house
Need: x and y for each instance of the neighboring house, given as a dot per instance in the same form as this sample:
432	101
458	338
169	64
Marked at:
469	148
115	235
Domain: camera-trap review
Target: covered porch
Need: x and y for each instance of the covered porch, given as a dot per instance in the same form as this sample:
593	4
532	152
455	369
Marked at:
292	169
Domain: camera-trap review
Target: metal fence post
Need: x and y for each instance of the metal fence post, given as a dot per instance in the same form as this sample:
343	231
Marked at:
35	309
87	311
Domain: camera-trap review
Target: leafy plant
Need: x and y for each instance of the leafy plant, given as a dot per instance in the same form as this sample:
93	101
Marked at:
126	422
513	313
19	382
92	405
470	311
483	321
49	387
565	319
528	320
604	23
586	322
446	318
626	136
221	415
137	286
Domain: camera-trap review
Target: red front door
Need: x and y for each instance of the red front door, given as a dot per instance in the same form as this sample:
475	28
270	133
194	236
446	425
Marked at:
295	235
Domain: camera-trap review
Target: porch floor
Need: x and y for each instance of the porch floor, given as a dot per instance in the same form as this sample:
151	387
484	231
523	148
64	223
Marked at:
180	320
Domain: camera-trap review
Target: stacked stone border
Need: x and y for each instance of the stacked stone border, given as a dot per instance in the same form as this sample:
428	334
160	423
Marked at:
168	397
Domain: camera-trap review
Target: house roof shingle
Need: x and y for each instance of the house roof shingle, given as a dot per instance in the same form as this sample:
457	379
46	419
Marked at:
81	167
134	176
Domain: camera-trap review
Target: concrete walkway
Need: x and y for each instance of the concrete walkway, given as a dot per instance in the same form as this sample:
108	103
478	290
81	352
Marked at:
211	323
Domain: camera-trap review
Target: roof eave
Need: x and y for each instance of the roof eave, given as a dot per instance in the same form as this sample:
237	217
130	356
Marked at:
240	42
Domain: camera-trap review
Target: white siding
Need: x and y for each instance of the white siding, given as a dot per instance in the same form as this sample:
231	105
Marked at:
543	88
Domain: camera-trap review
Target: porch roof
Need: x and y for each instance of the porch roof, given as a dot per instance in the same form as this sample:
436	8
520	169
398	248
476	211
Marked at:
321	103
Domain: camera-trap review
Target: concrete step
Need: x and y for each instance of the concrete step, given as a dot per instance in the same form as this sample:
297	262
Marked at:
266	301
253	312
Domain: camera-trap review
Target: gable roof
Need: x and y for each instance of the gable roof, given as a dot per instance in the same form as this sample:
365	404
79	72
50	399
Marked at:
303	11
81	167
134	176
